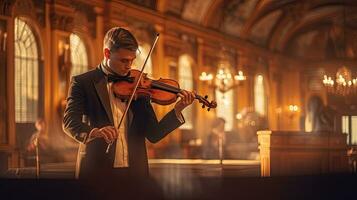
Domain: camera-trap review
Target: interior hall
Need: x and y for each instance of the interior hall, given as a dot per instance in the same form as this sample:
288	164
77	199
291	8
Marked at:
275	84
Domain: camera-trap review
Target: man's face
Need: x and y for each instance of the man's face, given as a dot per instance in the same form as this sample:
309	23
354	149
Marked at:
120	60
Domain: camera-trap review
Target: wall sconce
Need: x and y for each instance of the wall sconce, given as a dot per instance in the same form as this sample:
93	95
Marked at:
4	41
64	64
293	110
239	116
63	54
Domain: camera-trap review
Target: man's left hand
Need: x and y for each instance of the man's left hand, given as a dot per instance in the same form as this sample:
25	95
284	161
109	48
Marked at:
186	99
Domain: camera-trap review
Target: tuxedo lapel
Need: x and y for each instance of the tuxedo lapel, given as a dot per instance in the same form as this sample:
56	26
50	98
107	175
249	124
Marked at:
101	88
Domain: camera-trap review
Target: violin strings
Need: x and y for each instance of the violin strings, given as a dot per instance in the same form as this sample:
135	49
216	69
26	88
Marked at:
170	88
165	86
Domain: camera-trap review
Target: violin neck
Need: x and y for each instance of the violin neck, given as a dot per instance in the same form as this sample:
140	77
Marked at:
167	88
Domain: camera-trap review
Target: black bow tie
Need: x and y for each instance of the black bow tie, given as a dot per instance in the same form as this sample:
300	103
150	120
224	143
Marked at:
116	78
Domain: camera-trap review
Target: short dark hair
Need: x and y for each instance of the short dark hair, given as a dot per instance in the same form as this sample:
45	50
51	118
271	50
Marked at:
117	38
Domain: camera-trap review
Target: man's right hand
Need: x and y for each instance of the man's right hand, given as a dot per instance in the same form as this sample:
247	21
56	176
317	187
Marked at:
109	133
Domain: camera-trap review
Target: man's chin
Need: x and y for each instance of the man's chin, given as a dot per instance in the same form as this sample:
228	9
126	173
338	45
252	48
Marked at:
125	73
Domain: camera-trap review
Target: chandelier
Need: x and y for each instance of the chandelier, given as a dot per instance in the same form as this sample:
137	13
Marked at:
344	84
224	79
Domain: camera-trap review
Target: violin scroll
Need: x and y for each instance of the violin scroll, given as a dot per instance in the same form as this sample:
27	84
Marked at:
205	102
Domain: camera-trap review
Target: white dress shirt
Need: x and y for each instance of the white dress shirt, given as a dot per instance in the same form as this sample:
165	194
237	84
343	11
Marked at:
118	109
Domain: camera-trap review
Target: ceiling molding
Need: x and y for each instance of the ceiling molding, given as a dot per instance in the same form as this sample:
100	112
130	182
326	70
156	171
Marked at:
309	23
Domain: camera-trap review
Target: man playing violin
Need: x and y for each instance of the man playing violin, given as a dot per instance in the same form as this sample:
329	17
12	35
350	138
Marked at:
93	113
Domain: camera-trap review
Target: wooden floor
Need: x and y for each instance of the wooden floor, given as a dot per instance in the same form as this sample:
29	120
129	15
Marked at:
182	179
158	168
205	168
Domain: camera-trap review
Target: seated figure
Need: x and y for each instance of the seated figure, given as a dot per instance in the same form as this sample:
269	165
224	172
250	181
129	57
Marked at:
216	140
319	117
39	144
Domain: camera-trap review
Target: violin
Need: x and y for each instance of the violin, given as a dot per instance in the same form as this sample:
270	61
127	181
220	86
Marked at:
161	91
137	85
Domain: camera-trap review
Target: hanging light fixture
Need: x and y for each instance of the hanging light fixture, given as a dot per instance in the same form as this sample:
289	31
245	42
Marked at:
224	79
344	84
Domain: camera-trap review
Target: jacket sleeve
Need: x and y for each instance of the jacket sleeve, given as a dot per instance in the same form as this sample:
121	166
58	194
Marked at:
75	110
157	130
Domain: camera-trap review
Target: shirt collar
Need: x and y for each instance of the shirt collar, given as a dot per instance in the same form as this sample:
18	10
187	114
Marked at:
106	69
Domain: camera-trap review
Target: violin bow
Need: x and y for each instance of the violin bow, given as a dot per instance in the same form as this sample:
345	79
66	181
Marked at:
135	88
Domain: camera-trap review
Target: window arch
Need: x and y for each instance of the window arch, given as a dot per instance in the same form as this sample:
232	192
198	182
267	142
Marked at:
140	59
26	73
225	108
259	95
225	102
186	81
79	58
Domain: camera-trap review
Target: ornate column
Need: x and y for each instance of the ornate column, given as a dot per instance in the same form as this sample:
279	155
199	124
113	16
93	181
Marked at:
243	97
8	154
160	68
274	105
60	24
159	49
290	95
3	85
99	34
202	89
114	15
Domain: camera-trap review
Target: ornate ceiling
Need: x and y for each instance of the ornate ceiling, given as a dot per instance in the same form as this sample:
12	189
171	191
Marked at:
312	29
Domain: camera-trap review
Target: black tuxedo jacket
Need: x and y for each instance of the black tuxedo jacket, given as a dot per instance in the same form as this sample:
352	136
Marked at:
88	96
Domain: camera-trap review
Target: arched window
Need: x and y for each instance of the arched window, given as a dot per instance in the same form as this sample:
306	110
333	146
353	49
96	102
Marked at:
186	81
79	58
259	95
26	73
225	102
140	59
225	108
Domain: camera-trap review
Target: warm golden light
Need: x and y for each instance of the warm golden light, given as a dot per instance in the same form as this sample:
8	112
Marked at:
328	81
240	76
205	77
293	108
344	83
223	80
239	116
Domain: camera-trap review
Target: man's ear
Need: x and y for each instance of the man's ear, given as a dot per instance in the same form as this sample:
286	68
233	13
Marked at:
106	53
